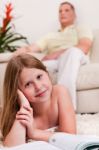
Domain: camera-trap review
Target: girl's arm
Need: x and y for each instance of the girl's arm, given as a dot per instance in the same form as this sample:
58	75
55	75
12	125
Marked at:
25	118
16	136
67	120
41	135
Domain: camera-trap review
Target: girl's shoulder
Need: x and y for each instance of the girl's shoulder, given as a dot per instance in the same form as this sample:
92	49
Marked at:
59	89
60	93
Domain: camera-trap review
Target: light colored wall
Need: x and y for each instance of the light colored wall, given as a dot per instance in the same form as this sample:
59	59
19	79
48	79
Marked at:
34	18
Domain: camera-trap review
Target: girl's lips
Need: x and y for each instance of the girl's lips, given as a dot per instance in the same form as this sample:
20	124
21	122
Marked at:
41	93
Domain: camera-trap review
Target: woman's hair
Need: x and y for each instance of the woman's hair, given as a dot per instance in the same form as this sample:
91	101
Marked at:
13	70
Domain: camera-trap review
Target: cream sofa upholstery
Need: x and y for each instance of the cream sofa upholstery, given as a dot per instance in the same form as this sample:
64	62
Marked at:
87	82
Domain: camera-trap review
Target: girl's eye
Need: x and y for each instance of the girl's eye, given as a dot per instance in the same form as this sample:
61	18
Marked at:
28	84
39	76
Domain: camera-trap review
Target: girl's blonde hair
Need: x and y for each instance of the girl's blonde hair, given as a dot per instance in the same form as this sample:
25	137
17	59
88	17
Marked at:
13	70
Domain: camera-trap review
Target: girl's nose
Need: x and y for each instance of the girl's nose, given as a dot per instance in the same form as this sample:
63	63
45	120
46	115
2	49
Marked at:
37	85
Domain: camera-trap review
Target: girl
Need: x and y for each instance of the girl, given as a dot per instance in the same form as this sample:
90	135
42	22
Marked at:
32	104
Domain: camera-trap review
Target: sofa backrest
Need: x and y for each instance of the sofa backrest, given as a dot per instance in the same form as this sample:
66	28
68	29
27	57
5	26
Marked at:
95	47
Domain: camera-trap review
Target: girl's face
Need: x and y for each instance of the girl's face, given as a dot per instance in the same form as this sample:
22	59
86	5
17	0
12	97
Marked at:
35	84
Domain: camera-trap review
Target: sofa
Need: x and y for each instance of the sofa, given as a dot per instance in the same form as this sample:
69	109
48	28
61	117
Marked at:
87	81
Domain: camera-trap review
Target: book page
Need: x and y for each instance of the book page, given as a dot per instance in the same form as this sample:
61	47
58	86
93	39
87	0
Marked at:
66	141
38	145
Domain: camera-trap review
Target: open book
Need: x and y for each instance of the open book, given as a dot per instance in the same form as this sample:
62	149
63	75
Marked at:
62	141
66	141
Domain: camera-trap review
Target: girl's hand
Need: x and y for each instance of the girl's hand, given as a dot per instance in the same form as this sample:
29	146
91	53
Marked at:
25	116
22	100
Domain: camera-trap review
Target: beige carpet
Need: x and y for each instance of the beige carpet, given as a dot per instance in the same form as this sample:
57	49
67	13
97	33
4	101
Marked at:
88	124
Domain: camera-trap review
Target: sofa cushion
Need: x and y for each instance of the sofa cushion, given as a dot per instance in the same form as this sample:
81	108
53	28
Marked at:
88	77
88	101
95	47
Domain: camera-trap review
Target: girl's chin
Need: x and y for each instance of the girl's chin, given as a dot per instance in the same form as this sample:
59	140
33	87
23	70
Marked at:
40	100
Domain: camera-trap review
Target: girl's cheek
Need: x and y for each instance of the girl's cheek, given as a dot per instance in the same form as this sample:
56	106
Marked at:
29	94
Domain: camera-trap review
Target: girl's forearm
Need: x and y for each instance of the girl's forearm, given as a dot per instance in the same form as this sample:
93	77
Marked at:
42	135
16	136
